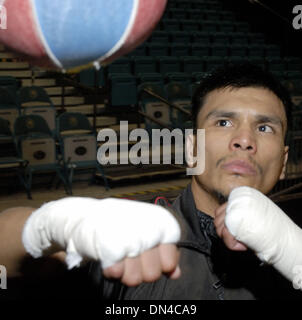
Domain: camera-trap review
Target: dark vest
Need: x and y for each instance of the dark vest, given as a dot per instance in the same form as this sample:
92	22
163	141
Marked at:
210	271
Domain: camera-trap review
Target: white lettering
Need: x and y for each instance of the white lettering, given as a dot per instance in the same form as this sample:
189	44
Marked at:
3	17
297	21
110	146
3	277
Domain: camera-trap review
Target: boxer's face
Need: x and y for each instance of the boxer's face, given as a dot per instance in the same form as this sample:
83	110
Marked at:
244	139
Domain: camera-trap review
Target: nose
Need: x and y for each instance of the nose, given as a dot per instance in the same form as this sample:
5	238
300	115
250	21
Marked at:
243	140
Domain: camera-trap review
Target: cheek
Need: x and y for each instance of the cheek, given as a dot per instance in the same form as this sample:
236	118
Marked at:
216	148
271	160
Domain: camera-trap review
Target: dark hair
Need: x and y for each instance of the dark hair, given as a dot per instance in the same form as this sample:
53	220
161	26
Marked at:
240	76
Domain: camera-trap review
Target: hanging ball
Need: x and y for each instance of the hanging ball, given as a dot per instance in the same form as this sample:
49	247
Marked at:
66	34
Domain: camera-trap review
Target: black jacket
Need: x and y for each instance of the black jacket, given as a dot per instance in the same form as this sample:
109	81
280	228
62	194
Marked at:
209	270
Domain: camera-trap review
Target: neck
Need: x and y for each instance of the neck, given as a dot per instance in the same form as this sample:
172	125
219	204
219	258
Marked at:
205	200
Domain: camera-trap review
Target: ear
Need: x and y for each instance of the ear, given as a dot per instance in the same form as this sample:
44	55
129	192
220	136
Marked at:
283	172
190	150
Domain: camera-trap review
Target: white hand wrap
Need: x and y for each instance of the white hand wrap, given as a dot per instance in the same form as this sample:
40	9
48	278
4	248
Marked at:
256	221
107	230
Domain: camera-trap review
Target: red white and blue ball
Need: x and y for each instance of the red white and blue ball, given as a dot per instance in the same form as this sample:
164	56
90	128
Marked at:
69	33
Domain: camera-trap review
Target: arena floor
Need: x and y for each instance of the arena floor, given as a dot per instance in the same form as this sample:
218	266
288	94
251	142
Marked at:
144	190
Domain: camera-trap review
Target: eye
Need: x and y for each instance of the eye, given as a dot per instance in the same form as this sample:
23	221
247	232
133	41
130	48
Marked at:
223	123
265	128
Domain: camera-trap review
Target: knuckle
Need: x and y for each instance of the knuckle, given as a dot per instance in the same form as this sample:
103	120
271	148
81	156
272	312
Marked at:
169	265
133	280
114	271
152	275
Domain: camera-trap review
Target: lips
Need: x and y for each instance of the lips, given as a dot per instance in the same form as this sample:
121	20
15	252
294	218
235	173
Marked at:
239	167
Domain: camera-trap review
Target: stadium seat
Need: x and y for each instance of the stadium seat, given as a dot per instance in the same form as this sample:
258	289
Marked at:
195	14
157	49
221	38
235	60
212	15
121	65
179	49
153	107
178	93
179	77
184	4
178	13
275	64
228	16
201	37
87	77
151	77
36	144
213	62
35	100
239	38
237	50
293	63
122	89
272	50
219	50
209	26
293	82
256	50
92	78
9	108
192	64
78	145
200	50
180	37
259	61
11	163
200	5
241	26
168	64
189	25
160	37
227	26
10	83
145	64
214	5
256	38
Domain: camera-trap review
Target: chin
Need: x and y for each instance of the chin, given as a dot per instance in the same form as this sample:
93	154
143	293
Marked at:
238	181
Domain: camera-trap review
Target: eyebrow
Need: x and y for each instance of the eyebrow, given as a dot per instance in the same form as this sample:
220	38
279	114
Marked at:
260	118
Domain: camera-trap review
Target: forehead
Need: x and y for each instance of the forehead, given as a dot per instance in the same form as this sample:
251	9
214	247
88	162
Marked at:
249	99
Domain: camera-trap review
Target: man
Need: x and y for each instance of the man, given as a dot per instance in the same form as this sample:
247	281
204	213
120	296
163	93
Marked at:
245	114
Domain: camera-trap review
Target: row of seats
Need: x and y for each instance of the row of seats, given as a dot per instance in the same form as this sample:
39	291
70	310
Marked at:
195	4
26	100
199	14
124	88
30	121
190	64
177	93
73	147
124	76
212	49
202	25
207	37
